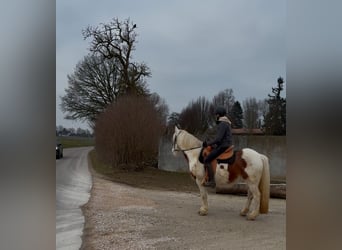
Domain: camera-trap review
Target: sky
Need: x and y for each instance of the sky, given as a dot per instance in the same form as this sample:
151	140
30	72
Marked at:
194	48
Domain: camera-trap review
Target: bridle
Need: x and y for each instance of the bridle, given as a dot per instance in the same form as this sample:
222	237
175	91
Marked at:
179	149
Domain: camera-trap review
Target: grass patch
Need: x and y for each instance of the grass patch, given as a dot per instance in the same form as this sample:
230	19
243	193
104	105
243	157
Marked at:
75	141
149	178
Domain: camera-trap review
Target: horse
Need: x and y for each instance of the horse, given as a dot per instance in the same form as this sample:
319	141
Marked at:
246	164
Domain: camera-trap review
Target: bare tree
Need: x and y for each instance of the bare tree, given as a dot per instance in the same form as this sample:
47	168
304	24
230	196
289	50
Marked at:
196	117
160	106
251	113
173	120
263	110
91	88
109	72
225	99
116	41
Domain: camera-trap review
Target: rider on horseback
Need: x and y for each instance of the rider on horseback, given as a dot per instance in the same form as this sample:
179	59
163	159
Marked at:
222	141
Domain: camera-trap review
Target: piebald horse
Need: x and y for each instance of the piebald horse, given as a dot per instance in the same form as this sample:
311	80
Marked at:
247	164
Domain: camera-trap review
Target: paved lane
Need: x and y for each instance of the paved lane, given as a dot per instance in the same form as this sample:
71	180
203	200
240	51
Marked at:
73	184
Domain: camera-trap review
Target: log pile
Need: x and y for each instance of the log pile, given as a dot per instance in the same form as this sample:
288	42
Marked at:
276	190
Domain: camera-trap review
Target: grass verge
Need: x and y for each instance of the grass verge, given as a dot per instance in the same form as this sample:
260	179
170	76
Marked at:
149	178
75	141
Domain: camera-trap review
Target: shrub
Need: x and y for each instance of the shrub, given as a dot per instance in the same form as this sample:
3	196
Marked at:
128	132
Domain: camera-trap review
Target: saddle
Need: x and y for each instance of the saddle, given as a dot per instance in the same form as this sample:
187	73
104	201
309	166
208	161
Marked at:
226	154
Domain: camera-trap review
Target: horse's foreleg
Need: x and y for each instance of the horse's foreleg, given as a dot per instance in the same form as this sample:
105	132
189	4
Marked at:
255	202
204	196
245	210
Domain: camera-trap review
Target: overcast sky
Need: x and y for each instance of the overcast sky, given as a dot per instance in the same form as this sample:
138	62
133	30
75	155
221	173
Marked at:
193	47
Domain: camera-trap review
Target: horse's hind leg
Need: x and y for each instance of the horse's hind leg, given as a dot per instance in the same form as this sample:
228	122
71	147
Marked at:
245	210
255	203
204	196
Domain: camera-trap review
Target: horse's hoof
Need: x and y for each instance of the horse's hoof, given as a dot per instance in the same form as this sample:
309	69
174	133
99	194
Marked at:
202	212
252	216
243	212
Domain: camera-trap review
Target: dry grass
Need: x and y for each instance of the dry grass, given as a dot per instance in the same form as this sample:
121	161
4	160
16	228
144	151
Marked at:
149	177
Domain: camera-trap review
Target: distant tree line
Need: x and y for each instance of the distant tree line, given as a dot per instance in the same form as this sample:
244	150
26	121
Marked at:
62	131
269	114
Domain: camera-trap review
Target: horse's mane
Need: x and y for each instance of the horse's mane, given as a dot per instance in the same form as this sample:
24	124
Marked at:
189	140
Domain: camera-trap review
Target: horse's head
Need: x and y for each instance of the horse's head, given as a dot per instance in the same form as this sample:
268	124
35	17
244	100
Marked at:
175	146
184	141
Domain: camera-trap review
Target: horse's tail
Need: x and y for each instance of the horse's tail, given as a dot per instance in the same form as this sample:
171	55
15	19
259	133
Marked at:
264	185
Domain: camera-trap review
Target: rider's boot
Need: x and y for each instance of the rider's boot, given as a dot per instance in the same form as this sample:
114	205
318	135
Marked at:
211	181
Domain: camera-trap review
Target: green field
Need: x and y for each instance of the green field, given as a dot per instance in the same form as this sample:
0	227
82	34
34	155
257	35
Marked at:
75	141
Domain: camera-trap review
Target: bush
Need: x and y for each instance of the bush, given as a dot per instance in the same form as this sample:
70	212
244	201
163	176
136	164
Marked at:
128	132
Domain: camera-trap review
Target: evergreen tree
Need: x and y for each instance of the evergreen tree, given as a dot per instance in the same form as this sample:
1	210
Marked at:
237	115
275	119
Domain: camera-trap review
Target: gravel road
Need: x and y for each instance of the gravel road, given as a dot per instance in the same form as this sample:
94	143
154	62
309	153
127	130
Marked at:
123	217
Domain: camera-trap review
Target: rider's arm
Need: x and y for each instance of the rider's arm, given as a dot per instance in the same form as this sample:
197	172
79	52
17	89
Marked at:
219	135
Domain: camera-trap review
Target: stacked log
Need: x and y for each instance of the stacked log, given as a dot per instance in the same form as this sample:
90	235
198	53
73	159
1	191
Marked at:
276	190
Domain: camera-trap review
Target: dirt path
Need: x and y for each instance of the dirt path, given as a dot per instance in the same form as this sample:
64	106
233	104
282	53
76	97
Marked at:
123	217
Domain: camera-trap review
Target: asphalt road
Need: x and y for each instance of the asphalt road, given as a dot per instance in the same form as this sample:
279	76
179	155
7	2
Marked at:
73	185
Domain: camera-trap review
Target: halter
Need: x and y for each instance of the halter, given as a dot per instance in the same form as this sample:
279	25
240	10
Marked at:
182	150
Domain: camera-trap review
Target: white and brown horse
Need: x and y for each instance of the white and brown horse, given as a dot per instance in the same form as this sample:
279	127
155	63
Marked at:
247	164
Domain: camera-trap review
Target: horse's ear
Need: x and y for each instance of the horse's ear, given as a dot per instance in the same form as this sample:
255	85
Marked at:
176	129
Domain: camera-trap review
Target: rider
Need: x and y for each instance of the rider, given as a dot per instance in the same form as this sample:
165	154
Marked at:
222	141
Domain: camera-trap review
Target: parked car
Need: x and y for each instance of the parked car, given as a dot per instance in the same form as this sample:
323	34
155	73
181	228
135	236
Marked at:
59	150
